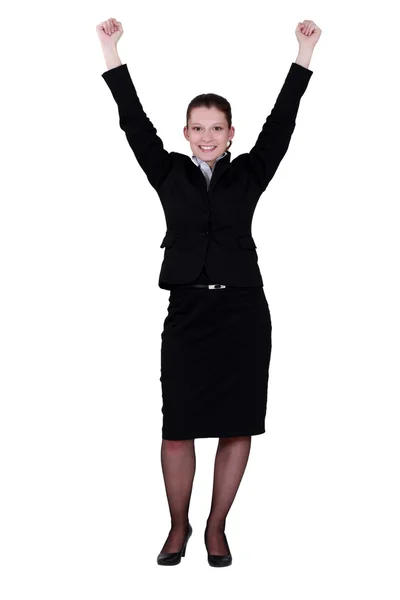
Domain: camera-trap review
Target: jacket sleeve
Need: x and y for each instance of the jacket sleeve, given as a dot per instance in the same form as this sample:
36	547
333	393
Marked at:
140	132
273	141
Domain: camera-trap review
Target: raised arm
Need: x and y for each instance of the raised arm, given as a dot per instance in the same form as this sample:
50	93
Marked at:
139	130
273	141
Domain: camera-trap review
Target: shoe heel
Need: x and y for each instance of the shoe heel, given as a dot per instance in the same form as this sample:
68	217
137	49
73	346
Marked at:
190	531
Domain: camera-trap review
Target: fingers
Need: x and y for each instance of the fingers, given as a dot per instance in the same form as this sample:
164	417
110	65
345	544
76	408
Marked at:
307	27
111	26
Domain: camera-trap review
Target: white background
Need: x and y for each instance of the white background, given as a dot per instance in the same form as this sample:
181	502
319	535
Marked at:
83	506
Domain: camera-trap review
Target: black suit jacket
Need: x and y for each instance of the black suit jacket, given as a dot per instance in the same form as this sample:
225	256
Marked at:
209	228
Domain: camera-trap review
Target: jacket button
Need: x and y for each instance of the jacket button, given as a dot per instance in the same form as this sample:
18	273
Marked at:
204	233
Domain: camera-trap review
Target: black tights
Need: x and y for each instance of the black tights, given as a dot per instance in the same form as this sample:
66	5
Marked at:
178	460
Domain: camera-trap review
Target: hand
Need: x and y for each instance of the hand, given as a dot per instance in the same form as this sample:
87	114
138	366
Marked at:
307	34
109	32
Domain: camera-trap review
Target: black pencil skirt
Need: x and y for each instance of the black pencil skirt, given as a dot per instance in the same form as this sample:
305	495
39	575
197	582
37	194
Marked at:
215	355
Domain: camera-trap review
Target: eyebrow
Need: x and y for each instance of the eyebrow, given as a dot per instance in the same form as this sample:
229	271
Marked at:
213	123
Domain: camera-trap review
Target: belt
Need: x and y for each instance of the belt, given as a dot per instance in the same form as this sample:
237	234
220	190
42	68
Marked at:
212	286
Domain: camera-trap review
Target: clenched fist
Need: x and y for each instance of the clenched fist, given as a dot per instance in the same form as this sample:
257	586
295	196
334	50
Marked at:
109	32
307	33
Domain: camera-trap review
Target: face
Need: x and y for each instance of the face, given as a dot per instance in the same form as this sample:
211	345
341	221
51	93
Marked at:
208	127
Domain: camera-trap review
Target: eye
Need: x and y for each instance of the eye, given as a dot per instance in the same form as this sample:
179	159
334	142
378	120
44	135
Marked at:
217	127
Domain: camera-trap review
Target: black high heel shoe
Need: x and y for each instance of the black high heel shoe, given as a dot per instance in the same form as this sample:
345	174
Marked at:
216	560
174	558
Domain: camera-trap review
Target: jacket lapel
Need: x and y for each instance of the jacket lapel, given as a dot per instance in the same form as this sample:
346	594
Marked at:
219	169
196	177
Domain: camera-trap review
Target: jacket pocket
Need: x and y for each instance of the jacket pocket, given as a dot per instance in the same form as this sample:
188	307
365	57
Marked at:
168	240
247	242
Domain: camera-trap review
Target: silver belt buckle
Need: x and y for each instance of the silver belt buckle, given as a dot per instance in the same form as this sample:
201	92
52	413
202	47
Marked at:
216	286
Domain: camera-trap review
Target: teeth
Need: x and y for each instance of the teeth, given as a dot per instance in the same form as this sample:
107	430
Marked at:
207	147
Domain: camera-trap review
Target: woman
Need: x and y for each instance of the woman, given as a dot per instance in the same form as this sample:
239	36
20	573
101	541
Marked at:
216	341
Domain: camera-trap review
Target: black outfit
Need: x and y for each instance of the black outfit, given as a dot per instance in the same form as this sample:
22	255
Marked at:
216	343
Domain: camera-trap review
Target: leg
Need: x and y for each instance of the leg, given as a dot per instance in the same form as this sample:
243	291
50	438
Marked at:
230	463
178	461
